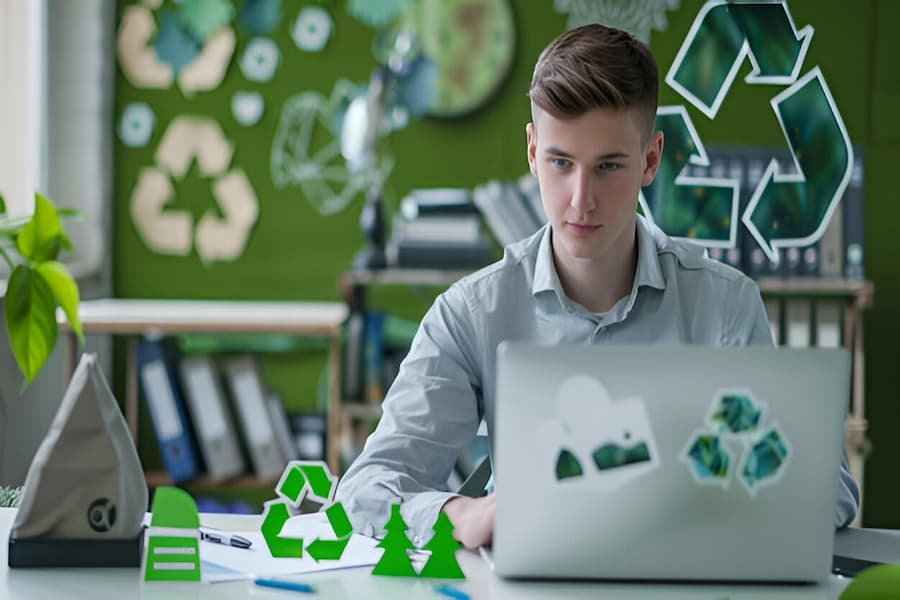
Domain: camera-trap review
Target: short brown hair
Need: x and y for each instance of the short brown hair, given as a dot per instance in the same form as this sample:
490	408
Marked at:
594	66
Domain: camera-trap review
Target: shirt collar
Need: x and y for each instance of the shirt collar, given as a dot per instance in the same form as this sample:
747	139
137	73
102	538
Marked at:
648	272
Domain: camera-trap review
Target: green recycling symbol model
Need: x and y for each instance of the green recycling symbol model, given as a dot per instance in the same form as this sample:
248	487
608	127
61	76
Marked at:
786	209
735	440
305	479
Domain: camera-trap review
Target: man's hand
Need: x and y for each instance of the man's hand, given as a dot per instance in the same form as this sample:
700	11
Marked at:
473	519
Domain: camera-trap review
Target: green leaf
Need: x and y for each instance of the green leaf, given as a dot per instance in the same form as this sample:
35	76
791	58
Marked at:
41	238
2	205
60	281
30	320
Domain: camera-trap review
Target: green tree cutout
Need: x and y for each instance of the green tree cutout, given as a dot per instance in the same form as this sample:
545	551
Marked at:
395	559
38	283
443	546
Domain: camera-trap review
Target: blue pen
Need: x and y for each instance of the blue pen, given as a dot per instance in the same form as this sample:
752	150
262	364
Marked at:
293	586
451	592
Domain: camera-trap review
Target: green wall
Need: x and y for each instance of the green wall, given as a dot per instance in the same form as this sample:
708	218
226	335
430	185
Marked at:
296	254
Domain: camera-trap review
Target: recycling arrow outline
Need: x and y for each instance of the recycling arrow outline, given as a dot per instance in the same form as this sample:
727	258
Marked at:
772	177
796	205
314	474
697	157
803	36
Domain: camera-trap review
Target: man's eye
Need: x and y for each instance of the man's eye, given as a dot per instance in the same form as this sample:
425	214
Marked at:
561	163
609	166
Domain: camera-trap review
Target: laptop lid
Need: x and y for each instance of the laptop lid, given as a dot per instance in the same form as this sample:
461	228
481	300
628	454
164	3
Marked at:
667	462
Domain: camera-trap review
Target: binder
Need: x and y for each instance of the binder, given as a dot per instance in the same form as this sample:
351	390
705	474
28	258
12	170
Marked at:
280	427
373	356
167	411
853	221
828	323
798	322
249	399
213	424
309	434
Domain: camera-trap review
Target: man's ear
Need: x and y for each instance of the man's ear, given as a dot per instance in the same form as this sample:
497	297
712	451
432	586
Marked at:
652	157
531	147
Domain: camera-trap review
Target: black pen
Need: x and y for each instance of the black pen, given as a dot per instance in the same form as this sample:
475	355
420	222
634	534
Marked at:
221	537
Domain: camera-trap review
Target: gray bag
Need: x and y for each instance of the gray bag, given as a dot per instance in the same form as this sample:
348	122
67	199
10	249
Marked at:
85	481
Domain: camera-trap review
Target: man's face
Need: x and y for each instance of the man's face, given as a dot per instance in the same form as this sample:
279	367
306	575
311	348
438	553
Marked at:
590	170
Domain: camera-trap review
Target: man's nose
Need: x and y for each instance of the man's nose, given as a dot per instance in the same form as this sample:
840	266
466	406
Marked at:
583	199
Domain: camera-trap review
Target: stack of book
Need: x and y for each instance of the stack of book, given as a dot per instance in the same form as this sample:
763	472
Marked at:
512	210
439	229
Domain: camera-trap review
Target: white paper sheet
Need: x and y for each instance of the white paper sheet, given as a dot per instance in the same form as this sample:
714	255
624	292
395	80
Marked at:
256	561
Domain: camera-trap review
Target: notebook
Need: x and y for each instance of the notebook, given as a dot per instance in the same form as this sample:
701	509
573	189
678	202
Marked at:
667	462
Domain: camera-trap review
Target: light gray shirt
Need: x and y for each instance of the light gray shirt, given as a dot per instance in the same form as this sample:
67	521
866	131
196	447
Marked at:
445	386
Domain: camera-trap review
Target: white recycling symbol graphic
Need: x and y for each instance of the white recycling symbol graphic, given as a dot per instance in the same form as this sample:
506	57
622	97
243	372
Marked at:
171	231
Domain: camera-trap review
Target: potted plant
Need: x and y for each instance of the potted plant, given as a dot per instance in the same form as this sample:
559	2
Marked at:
38	283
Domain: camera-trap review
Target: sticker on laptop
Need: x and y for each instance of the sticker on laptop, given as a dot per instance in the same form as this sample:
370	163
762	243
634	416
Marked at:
734	426
595	440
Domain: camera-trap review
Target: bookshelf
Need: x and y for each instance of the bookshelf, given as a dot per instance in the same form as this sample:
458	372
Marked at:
853	296
133	318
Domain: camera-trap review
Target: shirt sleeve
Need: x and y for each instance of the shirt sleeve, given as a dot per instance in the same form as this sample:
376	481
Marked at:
749	324
751	327
848	497
431	413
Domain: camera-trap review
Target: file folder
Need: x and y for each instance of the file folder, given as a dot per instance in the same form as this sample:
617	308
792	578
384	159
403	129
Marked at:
167	411
249	399
213	425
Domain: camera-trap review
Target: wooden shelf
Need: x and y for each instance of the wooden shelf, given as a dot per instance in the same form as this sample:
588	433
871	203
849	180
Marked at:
362	411
135	317
860	289
158	478
435	277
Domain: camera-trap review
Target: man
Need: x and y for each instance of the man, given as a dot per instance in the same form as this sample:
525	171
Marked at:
597	273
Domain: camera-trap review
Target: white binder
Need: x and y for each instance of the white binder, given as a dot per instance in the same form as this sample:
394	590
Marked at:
249	398
213	424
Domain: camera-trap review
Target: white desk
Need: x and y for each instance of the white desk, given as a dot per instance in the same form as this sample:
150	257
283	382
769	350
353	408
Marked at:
356	584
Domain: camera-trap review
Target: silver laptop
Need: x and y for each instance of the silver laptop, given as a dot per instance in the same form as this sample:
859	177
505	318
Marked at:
667	462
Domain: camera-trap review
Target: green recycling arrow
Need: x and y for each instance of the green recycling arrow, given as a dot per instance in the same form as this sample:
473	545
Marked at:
305	479
275	515
705	209
321	549
722	34
302	479
794	209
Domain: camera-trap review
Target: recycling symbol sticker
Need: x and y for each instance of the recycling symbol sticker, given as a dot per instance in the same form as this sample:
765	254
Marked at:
735	441
596	442
786	209
171	231
305	479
